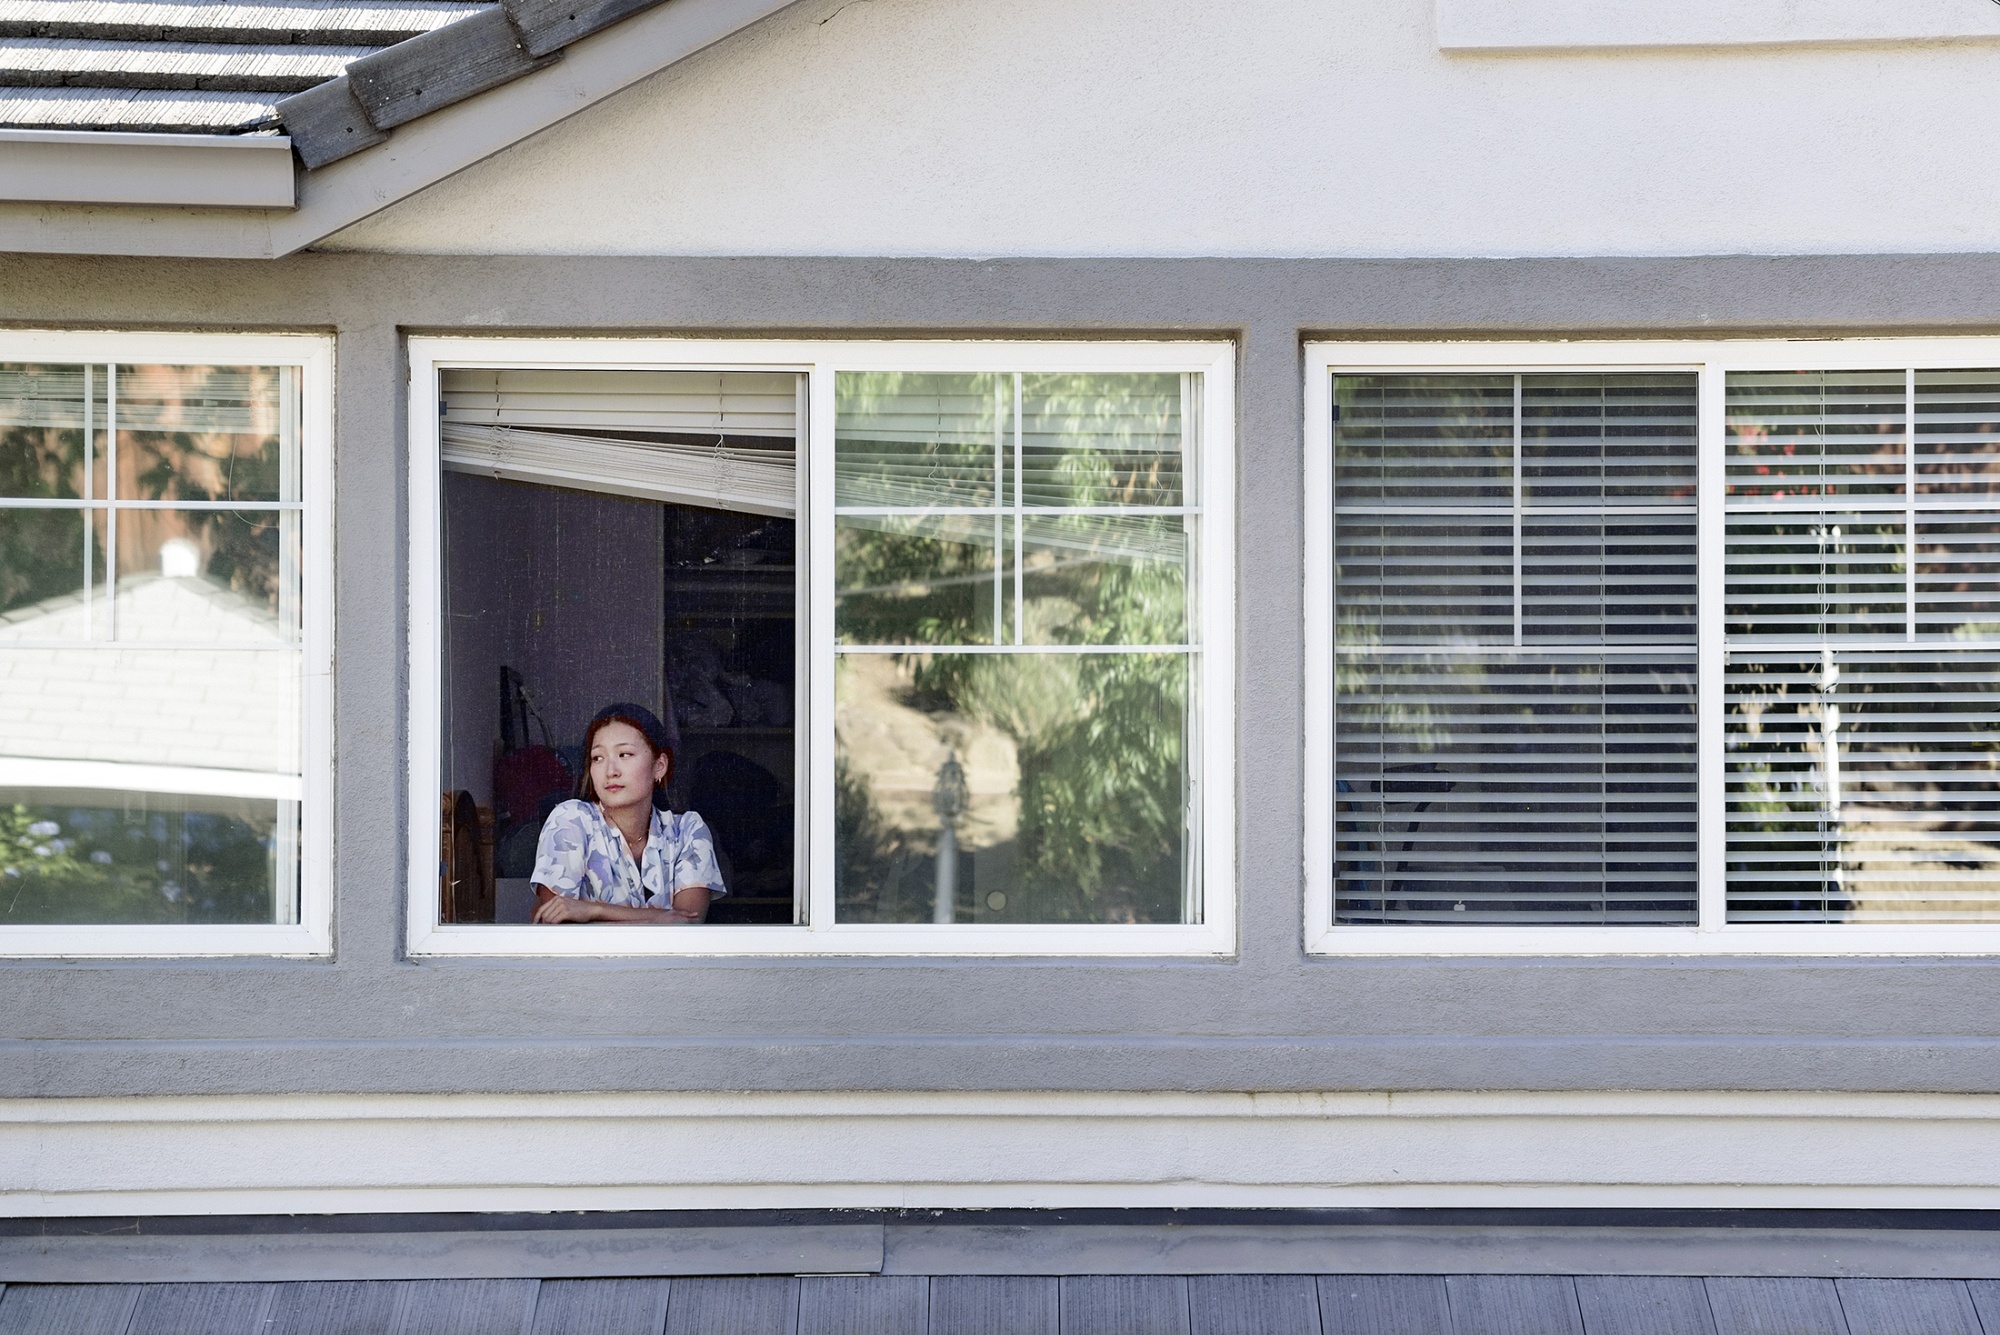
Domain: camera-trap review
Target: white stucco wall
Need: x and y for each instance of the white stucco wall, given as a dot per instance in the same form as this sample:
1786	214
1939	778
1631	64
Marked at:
1258	127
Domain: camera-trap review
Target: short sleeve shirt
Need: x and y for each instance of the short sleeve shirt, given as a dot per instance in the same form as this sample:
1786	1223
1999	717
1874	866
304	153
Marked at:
583	856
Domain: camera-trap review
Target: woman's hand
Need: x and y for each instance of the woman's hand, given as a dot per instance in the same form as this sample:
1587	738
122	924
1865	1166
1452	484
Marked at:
561	908
690	906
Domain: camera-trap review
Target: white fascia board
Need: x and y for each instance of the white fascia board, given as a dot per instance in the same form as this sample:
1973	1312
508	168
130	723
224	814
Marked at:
203	170
418	154
1583	25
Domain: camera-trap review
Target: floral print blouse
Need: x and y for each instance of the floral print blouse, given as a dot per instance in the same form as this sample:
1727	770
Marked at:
582	855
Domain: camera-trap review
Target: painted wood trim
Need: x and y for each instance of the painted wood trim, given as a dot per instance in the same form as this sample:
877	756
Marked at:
211	170
1582	25
322	1154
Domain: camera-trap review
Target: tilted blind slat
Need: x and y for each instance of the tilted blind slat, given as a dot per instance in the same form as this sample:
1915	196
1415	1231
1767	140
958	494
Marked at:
753	482
728	403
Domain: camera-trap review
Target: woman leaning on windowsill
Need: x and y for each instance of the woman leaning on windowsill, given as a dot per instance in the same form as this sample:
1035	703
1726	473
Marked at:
611	854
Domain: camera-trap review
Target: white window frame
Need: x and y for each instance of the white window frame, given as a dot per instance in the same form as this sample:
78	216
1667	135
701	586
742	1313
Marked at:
312	934
1711	361
1212	776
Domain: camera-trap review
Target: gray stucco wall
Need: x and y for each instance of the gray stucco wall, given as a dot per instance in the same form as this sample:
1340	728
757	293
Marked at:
1268	1019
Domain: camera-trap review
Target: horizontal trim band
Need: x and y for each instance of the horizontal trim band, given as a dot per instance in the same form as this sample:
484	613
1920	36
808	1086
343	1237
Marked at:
330	1153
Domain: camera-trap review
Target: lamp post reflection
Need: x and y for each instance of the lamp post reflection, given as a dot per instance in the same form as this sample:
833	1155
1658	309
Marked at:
948	799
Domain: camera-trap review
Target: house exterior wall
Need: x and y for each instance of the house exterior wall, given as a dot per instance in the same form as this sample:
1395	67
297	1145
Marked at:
1271	127
266	1045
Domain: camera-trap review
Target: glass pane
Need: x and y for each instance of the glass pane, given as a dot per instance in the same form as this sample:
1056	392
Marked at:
1811	575
1413	579
1958	576
170	777
1440	440
1863	788
1603	578
1104	579
41	430
1800	435
1097	439
918	579
44	591
1608	439
199	709
207	433
91	856
1033	788
1958	433
918	439
208	576
1515	789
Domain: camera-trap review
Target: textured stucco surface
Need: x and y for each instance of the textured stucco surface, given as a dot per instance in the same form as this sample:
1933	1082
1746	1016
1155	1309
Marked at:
1269	1018
1262	127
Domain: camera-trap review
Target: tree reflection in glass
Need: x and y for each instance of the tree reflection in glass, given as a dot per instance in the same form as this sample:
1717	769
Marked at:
1012	555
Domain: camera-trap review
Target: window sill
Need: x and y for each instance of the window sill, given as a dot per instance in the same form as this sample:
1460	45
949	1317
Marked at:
140	941
916	939
1833	939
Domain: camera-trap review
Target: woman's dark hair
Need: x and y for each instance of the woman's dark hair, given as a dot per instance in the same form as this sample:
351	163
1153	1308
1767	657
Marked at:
638	717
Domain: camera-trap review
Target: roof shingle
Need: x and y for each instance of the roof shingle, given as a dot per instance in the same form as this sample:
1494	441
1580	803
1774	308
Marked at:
188	66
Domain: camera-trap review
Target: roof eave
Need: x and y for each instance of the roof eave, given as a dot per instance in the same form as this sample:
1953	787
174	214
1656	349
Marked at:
418	154
198	170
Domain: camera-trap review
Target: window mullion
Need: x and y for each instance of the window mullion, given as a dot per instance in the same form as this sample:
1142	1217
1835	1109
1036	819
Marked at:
1020	500
1910	505
1517	512
111	499
1711	654
815	451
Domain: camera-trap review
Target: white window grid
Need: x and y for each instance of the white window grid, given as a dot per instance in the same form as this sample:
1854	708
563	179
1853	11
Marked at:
1711	362
1211	600
311	359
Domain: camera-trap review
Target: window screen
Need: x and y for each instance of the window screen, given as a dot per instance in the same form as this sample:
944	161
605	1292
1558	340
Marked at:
1515	653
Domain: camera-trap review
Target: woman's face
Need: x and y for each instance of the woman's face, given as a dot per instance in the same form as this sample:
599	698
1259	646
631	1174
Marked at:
623	766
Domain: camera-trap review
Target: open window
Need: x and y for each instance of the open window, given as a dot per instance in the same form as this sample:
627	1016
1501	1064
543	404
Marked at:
937	634
618	536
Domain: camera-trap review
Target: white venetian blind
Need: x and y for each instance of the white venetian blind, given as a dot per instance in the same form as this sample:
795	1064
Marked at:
1863	638
1515	610
723	439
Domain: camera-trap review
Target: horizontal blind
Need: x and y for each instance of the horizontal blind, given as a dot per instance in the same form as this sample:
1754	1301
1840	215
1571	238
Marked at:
918	440
756	482
726	403
723	440
1862	772
1515	608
